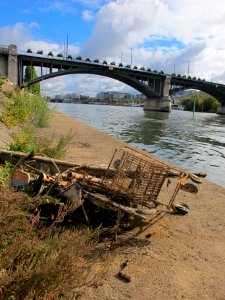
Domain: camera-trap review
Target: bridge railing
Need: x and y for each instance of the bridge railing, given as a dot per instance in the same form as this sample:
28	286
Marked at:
65	59
4	49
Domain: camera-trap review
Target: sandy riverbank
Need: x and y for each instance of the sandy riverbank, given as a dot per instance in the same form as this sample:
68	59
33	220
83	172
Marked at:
183	258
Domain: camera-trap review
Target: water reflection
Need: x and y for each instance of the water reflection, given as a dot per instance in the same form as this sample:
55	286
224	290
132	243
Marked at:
194	143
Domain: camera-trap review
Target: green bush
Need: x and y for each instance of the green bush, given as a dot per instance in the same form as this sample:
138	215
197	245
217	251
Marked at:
30	110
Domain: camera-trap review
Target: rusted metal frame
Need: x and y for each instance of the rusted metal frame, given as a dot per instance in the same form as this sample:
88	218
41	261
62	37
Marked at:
180	182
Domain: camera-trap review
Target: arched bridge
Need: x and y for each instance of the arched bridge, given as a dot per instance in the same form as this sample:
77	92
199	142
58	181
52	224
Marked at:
149	84
155	86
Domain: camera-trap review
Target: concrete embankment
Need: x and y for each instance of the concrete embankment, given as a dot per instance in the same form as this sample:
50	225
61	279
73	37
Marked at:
183	258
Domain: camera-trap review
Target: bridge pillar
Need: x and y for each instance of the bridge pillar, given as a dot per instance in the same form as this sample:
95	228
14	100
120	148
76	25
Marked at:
13	64
158	104
162	103
221	110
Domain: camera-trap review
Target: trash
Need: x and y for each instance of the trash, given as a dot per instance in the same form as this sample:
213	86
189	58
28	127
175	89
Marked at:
127	190
123	272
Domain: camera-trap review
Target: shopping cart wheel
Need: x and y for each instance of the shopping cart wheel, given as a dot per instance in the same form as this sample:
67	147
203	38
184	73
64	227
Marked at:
195	178
181	209
189	187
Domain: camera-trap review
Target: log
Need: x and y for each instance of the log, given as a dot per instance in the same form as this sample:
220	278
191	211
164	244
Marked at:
106	203
13	156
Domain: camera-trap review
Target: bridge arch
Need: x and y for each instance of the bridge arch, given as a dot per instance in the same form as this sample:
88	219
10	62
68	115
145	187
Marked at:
146	90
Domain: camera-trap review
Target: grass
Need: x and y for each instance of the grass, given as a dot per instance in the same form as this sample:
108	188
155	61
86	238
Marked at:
41	263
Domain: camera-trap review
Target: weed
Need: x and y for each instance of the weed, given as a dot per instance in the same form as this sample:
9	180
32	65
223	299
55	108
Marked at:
41	264
55	147
5	174
2	80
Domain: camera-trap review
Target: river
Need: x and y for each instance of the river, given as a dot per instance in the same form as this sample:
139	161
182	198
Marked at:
194	143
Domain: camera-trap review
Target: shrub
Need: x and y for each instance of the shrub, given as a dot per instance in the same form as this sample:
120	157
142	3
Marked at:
120	65
28	109
29	50
104	62
79	57
59	55
40	52
96	60
88	59
54	147
50	53
69	56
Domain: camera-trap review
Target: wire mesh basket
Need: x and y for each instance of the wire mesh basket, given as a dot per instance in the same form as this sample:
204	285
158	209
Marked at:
139	176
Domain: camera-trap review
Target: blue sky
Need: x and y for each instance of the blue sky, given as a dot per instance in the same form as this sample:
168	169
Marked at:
163	34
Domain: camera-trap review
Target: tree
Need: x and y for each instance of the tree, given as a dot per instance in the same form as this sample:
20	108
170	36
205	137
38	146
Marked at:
59	55
50	53
40	52
30	73
29	50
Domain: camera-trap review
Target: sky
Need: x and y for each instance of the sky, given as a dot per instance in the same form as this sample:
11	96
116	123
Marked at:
168	35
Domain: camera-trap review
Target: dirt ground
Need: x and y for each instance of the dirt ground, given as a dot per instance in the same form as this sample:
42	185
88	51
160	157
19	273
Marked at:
171	257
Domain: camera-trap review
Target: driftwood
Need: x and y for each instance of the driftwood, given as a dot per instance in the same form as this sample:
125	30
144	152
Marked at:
14	156
106	203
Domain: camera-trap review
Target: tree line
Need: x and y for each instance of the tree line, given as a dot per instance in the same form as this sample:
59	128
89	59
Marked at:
203	103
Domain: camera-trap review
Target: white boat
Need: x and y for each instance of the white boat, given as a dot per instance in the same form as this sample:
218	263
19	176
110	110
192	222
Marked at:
177	107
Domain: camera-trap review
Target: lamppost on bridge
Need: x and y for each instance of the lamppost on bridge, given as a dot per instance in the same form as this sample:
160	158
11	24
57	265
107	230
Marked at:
212	77
188	66
122	58
131	49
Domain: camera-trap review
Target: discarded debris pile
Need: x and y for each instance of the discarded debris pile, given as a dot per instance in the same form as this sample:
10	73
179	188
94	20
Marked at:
126	191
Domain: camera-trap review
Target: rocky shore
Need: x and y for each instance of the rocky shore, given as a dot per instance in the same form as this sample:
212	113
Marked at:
173	258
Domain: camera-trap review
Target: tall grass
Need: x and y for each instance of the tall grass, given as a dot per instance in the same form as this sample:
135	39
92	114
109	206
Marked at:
40	264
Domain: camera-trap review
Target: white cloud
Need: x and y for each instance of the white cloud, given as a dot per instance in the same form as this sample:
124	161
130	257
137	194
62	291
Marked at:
21	36
196	25
87	15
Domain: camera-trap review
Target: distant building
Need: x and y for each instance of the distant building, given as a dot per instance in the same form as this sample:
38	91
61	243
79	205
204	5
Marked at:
110	95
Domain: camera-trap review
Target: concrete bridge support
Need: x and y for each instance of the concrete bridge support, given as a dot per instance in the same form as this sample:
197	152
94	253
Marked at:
164	102
158	104
9	63
221	110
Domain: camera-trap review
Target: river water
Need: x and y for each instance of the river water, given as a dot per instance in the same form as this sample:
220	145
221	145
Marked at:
194	143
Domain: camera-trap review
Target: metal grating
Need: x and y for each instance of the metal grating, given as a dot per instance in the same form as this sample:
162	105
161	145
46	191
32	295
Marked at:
135	174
